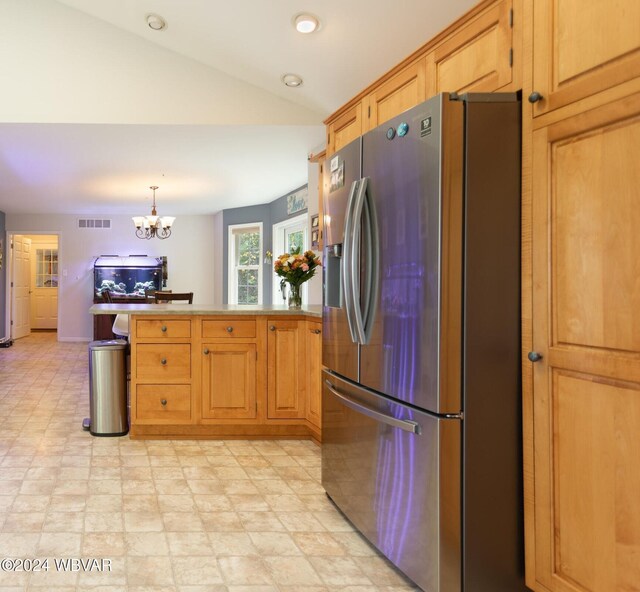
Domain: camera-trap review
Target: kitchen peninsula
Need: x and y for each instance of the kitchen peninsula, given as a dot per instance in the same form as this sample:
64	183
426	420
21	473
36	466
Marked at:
204	371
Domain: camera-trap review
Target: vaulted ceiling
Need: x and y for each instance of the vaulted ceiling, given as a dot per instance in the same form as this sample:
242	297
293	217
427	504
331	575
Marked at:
95	106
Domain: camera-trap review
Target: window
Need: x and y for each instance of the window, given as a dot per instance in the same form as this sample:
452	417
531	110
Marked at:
245	269
46	268
288	235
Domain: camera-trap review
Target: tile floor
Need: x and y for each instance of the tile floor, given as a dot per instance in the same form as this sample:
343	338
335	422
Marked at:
187	516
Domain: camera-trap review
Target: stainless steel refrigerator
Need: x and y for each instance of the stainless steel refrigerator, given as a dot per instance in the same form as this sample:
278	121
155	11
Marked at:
421	315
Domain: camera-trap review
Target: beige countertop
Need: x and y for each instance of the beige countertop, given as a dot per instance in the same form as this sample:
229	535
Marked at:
313	310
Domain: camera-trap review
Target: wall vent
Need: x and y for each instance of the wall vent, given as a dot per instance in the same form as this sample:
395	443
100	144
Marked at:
94	223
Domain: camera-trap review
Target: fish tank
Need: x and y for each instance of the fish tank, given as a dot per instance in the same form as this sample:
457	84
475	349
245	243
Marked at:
128	276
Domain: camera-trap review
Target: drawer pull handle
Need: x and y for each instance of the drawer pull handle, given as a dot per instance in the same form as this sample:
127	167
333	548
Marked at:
163	402
534	356
317	331
163	361
229	329
163	328
206	351
272	328
534	97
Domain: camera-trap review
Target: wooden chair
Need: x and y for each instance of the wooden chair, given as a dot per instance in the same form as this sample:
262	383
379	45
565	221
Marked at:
150	295
171	296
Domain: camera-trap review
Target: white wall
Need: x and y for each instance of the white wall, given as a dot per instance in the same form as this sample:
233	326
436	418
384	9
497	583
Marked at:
189	251
61	65
315	284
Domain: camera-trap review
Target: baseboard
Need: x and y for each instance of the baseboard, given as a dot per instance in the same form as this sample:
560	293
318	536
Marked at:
75	339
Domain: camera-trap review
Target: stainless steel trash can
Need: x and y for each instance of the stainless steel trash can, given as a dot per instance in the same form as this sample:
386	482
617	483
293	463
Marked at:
108	388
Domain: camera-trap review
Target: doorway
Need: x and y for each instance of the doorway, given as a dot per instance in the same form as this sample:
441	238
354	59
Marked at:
286	236
34	283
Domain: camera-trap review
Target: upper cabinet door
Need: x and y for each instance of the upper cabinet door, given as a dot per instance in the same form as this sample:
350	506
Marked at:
344	129
405	90
477	57
581	47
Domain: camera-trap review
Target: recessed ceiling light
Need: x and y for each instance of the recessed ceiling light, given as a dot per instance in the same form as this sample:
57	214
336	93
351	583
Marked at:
306	23
155	22
292	80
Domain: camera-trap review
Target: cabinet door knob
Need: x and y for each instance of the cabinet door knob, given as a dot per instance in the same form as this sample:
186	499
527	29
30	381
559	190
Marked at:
163	361
163	402
317	331
206	351
535	96
272	327
163	328
534	356
229	329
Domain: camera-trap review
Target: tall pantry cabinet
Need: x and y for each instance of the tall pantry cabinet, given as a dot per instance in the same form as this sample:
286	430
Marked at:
577	63
582	414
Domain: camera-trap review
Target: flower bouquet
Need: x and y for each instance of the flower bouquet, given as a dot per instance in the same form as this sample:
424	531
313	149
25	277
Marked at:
295	269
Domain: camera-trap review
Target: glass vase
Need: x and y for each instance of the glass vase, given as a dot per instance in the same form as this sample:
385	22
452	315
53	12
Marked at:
295	297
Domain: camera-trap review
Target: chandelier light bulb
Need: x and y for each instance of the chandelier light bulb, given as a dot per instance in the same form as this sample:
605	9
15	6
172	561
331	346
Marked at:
148	227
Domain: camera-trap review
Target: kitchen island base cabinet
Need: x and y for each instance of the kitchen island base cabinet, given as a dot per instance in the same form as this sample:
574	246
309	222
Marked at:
244	376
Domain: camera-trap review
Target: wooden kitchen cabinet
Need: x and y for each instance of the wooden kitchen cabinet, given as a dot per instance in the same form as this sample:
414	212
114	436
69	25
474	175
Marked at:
581	48
313	373
345	128
286	367
225	375
586	304
229	353
475	58
161	372
401	92
229	380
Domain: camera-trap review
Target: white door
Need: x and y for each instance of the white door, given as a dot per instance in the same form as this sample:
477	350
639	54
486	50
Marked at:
44	282
288	235
21	287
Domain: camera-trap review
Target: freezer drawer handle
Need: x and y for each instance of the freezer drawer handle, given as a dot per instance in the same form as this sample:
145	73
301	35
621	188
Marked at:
403	424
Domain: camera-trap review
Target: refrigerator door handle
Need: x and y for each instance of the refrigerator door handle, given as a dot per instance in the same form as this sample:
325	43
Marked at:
371	261
347	262
403	424
354	262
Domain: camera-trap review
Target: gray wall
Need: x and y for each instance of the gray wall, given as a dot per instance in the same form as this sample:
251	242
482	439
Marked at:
3	274
269	214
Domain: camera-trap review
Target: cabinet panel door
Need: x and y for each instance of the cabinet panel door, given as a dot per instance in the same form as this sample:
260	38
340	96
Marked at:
285	369
582	47
314	371
586	325
229	381
405	90
476	58
345	129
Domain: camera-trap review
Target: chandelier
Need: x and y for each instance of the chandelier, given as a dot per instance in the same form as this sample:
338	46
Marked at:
154	225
